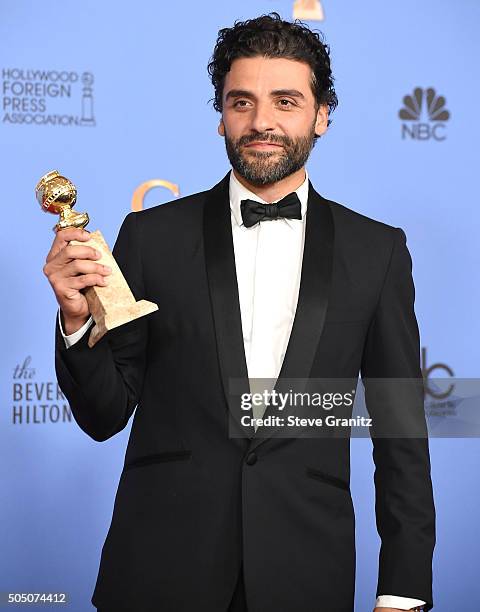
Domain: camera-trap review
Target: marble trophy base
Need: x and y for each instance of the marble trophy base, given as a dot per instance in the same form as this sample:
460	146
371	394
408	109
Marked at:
114	304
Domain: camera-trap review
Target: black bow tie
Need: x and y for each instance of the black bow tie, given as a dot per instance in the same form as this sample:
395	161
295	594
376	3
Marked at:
288	207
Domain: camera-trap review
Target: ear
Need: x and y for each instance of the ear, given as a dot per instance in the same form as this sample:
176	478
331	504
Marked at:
321	123
221	128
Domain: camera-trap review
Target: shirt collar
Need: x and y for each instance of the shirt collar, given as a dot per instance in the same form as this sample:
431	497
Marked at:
238	193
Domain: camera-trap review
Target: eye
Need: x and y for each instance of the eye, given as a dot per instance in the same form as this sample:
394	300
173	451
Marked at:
289	102
241	103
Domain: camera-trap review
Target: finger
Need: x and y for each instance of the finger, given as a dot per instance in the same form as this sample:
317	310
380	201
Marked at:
88	280
77	251
59	273
63	237
83	266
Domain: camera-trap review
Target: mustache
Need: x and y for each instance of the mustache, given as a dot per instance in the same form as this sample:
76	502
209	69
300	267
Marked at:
245	140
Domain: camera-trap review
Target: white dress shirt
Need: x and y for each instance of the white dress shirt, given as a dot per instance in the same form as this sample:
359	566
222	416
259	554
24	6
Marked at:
268	261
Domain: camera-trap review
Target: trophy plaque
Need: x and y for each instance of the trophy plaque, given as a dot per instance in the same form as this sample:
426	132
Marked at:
114	304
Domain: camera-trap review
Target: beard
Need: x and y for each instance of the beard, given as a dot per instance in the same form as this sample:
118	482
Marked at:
266	167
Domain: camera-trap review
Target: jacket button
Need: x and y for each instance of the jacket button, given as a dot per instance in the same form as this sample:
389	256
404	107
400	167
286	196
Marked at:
251	459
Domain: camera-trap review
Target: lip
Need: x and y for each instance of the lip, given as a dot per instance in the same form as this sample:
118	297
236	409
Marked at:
264	145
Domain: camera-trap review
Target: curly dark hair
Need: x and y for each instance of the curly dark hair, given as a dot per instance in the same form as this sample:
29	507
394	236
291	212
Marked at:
271	36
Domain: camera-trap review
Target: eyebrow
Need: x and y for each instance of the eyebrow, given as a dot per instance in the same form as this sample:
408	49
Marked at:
244	93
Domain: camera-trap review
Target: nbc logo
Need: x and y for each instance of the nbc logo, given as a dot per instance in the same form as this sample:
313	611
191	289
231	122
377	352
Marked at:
424	104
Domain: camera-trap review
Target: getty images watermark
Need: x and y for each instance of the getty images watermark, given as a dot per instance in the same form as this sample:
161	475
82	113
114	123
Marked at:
377	408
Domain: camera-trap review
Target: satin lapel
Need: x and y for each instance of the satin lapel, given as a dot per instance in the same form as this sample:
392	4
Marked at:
312	302
222	281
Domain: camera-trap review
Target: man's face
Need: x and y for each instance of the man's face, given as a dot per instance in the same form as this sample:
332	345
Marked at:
269	117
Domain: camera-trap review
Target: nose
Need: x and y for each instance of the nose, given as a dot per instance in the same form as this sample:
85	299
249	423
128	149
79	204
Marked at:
262	118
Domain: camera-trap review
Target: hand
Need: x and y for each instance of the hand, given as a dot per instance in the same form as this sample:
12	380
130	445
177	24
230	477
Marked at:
69	269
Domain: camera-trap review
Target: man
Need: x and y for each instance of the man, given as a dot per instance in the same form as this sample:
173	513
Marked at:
207	520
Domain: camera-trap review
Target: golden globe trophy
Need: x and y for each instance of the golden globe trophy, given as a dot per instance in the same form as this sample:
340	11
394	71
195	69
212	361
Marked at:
114	304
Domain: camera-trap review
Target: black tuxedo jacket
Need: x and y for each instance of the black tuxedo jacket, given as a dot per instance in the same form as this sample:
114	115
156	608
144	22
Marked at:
194	503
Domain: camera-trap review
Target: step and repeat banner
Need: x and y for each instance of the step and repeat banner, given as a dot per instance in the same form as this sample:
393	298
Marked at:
116	96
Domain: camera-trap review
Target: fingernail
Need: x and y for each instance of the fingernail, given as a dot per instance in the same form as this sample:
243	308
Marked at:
107	268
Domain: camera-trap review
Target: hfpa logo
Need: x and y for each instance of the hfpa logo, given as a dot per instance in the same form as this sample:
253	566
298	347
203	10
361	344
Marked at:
424	104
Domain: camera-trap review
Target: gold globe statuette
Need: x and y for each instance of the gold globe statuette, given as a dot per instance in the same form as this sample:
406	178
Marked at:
114	304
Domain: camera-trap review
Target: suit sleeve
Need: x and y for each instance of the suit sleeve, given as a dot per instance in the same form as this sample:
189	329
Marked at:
404	506
103	383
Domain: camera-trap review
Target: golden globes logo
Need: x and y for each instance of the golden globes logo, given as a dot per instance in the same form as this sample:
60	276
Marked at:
424	103
141	191
308	10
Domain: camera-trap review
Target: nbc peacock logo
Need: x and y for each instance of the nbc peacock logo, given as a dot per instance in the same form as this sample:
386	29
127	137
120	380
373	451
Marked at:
424	114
